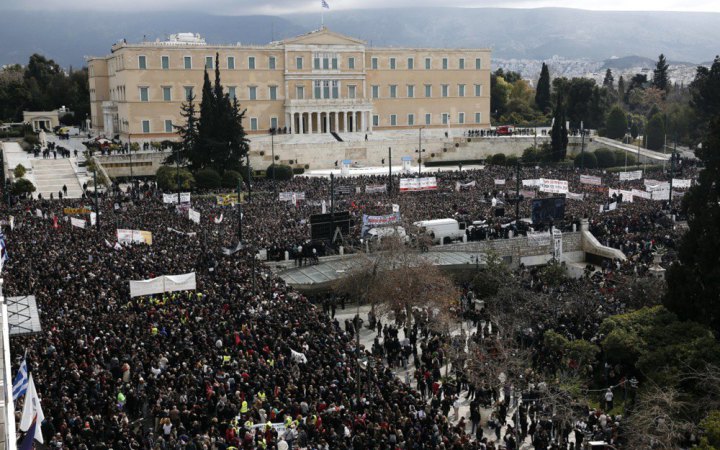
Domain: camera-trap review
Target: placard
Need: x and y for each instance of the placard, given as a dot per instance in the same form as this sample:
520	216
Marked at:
418	184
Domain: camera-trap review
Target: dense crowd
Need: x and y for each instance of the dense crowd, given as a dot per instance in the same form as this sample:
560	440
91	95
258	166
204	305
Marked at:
246	362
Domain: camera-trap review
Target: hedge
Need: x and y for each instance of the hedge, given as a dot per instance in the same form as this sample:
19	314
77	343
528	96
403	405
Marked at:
282	172
208	179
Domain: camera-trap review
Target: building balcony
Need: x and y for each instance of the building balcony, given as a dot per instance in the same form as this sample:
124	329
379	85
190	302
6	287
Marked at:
329	104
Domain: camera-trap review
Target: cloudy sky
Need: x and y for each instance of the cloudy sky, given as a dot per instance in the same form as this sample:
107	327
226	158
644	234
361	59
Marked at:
244	7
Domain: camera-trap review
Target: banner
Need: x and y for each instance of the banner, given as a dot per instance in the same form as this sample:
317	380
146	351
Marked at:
418	184
527	194
459	185
191	234
93	219
499	182
194	216
218	219
641	194
573	196
173	198
76	211
77	222
229	199
134	237
587	179
681	184
539	239
343	190
396	208
661	194
378	221
627	196
375	189
531	183
160	285
553	186
38	213
629	176
288	196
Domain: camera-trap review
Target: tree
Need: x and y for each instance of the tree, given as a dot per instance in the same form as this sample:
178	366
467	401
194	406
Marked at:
499	94
167	178
605	158
22	187
230	179
282	172
705	94
208	178
498	159
655	133
188	133
694	281
621	88
559	132
616	124
609	80
542	93
587	160
19	171
660	74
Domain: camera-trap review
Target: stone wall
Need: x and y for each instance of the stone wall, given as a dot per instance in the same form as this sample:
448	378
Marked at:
143	164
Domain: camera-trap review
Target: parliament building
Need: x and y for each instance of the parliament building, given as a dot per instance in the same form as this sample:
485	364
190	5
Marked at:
319	82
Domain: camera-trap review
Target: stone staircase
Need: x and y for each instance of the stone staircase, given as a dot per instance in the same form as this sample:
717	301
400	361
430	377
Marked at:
52	174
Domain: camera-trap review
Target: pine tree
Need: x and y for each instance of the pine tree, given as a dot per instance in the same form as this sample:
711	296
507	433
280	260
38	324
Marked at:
621	89
542	93
616	124
609	81
188	132
203	154
559	132
660	75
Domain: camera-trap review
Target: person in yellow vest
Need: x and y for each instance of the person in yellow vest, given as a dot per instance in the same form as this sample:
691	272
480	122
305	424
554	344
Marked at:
249	424
244	407
261	396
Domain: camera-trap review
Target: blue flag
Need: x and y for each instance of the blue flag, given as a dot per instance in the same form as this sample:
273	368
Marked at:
324	4
20	384
27	442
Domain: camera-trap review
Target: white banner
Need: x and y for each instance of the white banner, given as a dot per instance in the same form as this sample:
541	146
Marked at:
499	181
628	176
539	239
375	188
80	223
93	219
641	194
587	179
396	208
681	184
531	183
173	198
627	196
553	186
573	196
661	194
418	184
288	196
527	194
134	237
194	216
459	185
159	285
38	213
656	185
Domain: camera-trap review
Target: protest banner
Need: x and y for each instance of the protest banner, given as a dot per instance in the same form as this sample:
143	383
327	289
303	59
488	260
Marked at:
418	184
194	216
531	183
80	223
76	211
134	236
229	199
163	284
588	179
288	196
379	221
375	188
499	182
681	184
553	186
629	176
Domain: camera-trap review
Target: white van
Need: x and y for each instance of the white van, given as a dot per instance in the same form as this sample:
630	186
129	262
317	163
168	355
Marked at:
442	230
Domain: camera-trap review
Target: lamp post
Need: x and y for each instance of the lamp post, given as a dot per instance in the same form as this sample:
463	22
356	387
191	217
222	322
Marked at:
272	149
419	150
239	214
97	204
582	148
249	174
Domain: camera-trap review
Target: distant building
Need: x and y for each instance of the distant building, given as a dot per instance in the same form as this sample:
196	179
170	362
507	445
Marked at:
315	83
45	120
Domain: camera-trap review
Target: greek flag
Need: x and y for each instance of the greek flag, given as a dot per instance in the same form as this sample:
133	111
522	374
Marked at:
20	384
3	251
324	4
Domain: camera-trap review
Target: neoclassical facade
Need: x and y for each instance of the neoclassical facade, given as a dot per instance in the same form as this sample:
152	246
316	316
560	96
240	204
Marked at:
320	82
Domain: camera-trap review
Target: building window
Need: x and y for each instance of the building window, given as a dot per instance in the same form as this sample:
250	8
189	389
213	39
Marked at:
461	90
393	91
251	62
253	123
352	91
375	91
300	92
167	94
428	119
410	91
392	63
351	63
188	92
326	88
273	123
393	119
326	63
145	126
478	117
445	118
316	63
335	89
208	62
428	63
187	60
478	90
232	92
461	118
374	63
142	62
478	63
318	89
299	63
411	119
252	92
428	90
376	120
410	64
445	90
445	63
334	63
144	94
168	126
271	63
165	62
231	63
461	63
273	92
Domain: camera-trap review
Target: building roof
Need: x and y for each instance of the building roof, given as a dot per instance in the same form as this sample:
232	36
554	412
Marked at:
323	36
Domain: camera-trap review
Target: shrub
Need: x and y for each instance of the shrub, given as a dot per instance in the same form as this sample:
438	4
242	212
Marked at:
616	125
298	171
655	133
19	171
230	179
166	180
31	139
605	158
511	161
207	179
22	187
587	160
282	173
498	159
620	158
530	155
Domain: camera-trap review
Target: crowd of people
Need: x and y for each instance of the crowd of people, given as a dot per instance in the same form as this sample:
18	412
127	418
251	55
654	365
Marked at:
244	361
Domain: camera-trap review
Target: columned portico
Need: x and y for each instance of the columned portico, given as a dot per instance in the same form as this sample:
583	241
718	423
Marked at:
328	115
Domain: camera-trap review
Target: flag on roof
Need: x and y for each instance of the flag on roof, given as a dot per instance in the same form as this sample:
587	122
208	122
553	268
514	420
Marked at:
324	4
20	384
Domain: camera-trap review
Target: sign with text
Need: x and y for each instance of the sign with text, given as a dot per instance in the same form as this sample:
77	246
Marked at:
173	198
76	211
629	176
134	237
288	196
229	199
418	184
553	186
588	179
375	188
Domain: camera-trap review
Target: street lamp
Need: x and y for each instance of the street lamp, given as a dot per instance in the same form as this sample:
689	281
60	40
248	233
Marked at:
420	149
272	149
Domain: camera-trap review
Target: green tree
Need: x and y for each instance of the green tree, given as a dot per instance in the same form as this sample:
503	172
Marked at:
660	74
167	178
705	94
621	88
22	187
587	160
188	133
542	93
609	80
500	91
19	171
605	158
208	178
559	132
282	172
711	431
616	124
655	133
